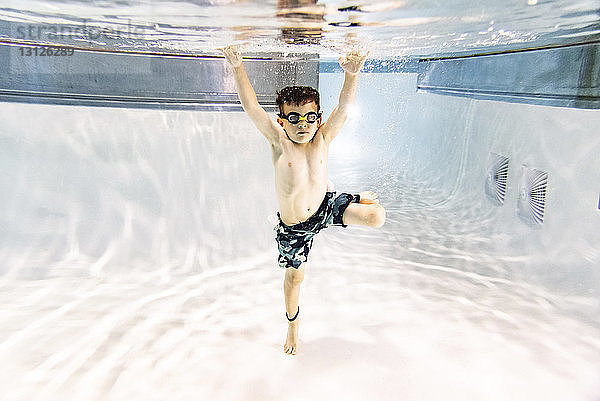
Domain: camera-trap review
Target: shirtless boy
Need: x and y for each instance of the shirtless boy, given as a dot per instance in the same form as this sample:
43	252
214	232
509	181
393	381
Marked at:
299	147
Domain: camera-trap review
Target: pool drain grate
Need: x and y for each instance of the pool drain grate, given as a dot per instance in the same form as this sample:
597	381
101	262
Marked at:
532	195
497	178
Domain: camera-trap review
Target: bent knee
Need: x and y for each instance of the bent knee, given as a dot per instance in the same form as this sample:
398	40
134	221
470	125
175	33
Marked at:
377	217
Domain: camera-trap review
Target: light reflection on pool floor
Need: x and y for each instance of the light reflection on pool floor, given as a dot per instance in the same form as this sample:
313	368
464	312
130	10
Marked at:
380	319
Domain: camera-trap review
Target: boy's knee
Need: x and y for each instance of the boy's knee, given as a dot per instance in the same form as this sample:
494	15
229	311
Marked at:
377	217
294	277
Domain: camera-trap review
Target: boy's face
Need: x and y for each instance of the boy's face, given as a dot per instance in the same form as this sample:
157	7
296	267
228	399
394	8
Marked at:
303	131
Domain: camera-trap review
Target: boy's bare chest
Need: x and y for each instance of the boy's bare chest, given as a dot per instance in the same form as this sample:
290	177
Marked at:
297	165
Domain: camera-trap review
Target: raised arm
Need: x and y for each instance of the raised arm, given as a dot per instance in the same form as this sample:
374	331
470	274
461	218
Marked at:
351	66
247	96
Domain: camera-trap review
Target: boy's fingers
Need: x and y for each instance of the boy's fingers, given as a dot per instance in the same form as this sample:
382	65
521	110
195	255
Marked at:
228	47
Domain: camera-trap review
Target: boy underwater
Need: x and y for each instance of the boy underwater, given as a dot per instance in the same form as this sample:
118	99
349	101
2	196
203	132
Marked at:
299	147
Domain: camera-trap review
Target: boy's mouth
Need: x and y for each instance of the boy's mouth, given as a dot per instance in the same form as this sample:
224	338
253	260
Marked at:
302	133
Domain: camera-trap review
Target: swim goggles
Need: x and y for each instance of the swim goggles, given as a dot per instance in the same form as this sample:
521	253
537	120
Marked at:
294	118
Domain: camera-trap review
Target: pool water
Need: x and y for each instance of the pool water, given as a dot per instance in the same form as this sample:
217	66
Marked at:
137	261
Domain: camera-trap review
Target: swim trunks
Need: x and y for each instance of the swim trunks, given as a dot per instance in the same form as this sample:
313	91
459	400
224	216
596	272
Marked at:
294	242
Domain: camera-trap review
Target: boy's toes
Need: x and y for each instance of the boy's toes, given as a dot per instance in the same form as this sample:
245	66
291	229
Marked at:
289	349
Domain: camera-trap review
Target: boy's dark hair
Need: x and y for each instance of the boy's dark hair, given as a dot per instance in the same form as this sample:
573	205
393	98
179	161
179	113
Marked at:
297	95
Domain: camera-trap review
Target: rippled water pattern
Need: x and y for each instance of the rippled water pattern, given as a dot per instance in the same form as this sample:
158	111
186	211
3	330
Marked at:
387	28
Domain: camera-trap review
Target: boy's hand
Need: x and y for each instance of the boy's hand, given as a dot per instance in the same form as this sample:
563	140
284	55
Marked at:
353	61
232	54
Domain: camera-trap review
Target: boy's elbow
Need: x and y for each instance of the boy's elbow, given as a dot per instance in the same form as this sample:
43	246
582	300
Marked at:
251	107
342	111
345	107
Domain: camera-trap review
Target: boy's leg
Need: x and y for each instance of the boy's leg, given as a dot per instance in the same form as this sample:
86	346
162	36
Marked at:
291	289
365	214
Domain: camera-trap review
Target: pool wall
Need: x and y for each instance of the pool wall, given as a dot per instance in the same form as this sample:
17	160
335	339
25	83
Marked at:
95	190
444	142
91	191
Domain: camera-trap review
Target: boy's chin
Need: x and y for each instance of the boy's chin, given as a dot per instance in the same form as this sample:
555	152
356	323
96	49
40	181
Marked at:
307	136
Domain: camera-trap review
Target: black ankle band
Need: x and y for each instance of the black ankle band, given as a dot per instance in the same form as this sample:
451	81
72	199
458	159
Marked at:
294	318
356	199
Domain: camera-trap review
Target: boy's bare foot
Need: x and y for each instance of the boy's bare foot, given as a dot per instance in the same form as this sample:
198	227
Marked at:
368	197
291	343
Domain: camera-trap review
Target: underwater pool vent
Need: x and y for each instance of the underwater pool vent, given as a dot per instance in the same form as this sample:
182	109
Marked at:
532	195
497	177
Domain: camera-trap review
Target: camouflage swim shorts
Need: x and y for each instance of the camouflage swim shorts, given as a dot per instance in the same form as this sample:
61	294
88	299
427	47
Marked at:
294	242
